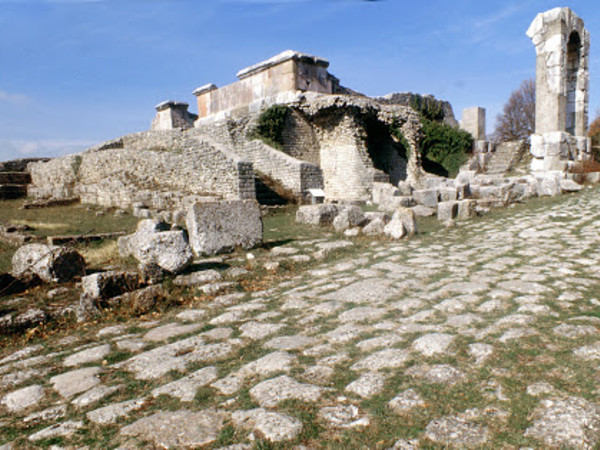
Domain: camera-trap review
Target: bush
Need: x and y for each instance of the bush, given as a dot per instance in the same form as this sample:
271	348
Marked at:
428	108
270	126
444	148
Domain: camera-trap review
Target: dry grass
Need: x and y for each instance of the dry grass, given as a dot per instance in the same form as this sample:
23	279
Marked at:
37	225
100	255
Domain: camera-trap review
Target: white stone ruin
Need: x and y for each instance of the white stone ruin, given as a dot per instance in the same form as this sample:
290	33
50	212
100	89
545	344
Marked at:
562	46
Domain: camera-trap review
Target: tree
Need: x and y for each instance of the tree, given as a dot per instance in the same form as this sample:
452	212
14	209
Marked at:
517	121
594	135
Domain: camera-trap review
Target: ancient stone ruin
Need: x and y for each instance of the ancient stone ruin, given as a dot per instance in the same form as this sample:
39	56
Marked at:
334	143
562	45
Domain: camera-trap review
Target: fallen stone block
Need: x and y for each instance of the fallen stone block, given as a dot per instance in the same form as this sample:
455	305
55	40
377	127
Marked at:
349	216
376	226
426	197
447	211
395	229
217	227
109	284
382	192
322	214
51	264
167	249
405	188
408	218
423	211
393	203
466	209
570	186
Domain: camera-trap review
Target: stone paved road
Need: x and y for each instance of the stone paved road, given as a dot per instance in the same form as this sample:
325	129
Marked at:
485	335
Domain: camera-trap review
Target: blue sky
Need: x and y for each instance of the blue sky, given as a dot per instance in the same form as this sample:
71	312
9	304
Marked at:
77	72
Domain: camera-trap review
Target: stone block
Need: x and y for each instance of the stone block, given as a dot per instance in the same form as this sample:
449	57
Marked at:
423	211
463	190
169	250
376	226
549	186
466	209
105	285
349	216
570	186
322	214
447	211
50	263
426	197
374	215
393	203
217	227
382	192
448	194
405	188
592	177
395	229
408	218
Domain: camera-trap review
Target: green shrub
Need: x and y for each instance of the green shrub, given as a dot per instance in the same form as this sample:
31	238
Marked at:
428	107
396	132
270	126
444	148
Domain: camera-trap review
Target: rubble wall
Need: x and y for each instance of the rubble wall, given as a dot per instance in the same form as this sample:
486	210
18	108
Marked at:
162	170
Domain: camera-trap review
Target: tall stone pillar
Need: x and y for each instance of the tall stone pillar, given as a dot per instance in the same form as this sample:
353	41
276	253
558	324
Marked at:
562	46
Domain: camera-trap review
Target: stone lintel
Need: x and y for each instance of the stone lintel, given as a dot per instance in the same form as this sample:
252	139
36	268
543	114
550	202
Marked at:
279	59
204	89
170	104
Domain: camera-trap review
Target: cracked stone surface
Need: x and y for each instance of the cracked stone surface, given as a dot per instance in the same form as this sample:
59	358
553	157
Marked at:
179	429
273	426
276	390
566	422
410	336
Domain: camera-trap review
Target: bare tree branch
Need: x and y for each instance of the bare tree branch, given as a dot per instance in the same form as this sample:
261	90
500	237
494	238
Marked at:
517	121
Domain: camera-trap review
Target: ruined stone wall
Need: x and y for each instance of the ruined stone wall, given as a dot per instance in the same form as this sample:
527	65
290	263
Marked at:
162	170
300	140
345	162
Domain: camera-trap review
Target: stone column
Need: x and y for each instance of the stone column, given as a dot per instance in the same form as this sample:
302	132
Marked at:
562	80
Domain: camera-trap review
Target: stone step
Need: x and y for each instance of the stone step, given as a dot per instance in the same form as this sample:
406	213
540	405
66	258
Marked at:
15	178
10	191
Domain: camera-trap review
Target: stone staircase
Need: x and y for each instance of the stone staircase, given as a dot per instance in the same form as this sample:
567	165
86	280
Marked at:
14	184
267	193
507	154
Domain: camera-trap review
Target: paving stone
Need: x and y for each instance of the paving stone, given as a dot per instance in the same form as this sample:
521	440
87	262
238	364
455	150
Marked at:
112	413
344	333
178	429
296	342
273	362
439	373
407	400
21	354
95	394
86	356
344	416
72	383
47	415
272	426
111	331
570	422
132	345
574	331
540	388
523	287
368	385
23	398
276	390
191	315
457	432
517	333
228	317
197	278
369	291
384	359
481	352
361	313
257	330
62	429
589	352
170	330
386	340
433	344
185	388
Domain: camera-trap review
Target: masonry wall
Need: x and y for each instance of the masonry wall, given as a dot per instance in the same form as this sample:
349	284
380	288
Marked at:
300	140
162	170
267	83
